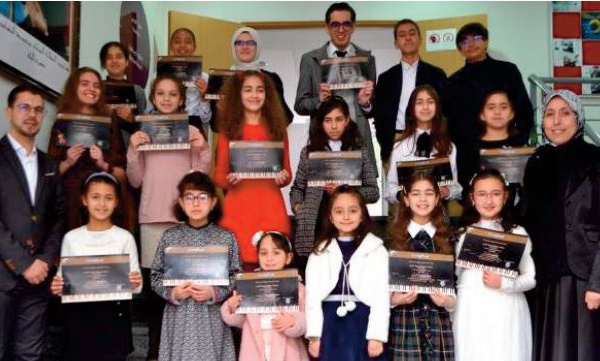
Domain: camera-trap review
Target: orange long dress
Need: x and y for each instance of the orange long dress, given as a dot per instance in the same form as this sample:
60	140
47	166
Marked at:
253	204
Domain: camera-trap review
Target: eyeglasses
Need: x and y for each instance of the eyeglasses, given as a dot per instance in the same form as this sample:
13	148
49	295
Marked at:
190	198
25	108
244	43
471	41
346	25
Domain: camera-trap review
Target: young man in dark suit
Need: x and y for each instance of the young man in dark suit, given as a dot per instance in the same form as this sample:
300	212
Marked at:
31	228
396	84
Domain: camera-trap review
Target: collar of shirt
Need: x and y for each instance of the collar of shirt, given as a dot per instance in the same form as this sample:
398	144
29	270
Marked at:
420	131
406	66
414	228
335	145
20	150
331	49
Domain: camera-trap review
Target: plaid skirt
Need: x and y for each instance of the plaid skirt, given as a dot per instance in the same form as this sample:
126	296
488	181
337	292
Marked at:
421	332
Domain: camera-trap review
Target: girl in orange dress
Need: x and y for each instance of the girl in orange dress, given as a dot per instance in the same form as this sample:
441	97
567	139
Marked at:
251	111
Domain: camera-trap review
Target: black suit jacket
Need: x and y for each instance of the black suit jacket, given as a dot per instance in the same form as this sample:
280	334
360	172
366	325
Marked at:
387	100
27	232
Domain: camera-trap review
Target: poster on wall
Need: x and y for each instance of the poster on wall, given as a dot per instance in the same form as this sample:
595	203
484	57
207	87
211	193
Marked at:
567	52
40	42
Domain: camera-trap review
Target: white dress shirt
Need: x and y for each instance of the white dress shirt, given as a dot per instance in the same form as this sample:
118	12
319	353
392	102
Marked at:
29	162
409	80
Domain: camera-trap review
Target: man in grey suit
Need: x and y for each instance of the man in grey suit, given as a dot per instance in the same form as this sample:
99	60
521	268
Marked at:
31	228
339	20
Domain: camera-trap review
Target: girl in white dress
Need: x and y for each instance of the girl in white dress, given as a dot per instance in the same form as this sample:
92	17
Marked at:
492	320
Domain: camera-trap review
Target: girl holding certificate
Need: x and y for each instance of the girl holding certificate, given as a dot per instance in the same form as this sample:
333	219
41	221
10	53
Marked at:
420	327
192	326
335	132
251	112
562	209
347	298
424	138
98	330
492	319
158	173
273	337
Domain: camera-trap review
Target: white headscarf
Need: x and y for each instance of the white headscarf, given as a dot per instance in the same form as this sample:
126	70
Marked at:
254	64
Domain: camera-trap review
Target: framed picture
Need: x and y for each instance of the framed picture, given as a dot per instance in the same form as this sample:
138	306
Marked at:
40	42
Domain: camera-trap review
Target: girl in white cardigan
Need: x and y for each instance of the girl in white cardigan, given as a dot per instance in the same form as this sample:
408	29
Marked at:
347	300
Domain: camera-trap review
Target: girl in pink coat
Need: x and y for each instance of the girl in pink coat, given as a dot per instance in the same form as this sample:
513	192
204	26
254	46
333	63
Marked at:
270	337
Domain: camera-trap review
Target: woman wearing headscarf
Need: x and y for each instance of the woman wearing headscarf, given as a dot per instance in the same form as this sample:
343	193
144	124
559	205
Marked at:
562	217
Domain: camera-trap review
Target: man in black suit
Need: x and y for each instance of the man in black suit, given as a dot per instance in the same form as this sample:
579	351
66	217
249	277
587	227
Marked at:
397	83
31	228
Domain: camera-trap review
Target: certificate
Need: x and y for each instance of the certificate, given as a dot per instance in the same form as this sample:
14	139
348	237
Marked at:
335	167
185	68
422	272
494	251
83	129
439	168
345	73
255	159
268	292
95	278
119	94
166	131
510	162
216	80
207	265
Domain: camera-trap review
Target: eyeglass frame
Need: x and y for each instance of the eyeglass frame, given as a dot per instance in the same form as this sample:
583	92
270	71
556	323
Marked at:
248	43
25	108
345	25
202	197
471	40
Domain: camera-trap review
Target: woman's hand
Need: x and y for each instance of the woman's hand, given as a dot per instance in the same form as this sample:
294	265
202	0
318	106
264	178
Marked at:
201	293
57	286
324	91
444	192
283	321
374	348
492	279
233	179
403	298
182	291
198	141
135	280
365	94
592	300
314	348
234	301
281	177
124	112
98	157
138	138
202	86
329	188
442	300
74	153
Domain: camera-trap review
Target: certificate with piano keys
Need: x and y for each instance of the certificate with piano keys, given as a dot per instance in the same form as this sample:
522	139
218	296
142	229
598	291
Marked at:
216	79
119	94
421	272
439	168
335	167
510	162
490	250
95	278
206	265
185	68
166	131
83	129
255	159
268	291
345	73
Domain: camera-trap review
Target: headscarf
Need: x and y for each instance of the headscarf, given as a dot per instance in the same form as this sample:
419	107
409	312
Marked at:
574	103
254	64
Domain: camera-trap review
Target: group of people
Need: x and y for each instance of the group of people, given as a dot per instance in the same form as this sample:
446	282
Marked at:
346	311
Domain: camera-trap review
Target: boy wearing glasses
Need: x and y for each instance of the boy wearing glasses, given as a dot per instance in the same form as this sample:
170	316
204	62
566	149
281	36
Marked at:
339	20
466	91
31	227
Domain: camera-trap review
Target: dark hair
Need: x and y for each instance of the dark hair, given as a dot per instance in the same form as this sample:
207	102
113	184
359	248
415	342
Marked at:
406	21
230	120
104	178
440	141
470	215
186	30
399	229
471	29
513	131
343	6
351	138
106	47
70	103
197	181
23	88
174	79
328	230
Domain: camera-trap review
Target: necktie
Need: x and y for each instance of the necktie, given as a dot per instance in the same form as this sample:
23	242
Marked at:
340	53
424	145
422	242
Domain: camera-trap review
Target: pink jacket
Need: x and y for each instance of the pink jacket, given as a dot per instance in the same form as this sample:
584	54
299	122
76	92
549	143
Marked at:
159	172
286	346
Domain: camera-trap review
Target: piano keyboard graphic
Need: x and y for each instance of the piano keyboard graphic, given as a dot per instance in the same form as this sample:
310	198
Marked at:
256	175
321	183
501	271
95	297
212	282
267	309
115	106
422	289
347	86
173	146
